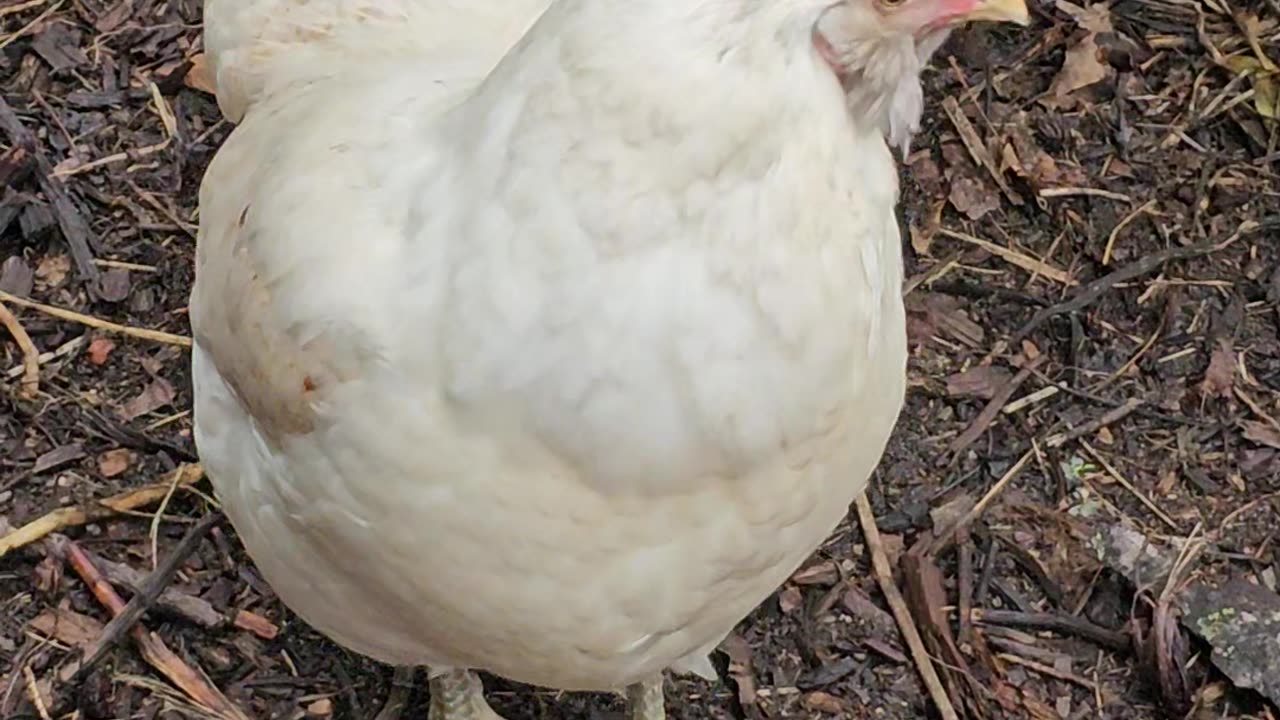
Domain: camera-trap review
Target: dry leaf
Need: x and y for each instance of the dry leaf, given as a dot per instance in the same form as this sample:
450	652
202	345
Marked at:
113	462
968	193
48	574
1080	69
823	573
1024	156
875	620
67	626
949	513
790	599
200	76
1220	378
155	396
16	278
1266	84
100	349
57	457
973	197
942	314
922	237
1262	433
114	285
52	270
741	671
983	381
819	701
1096	18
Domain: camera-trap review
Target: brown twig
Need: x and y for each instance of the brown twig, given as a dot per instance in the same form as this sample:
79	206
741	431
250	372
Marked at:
977	148
74	228
93	322
1108	418
947	536
1026	262
1061	623
194	609
992	410
1087	295
926	599
1135	492
1032	565
884	575
191	681
1115	232
33	692
71	516
131	613
964	563
988	572
1048	670
30	386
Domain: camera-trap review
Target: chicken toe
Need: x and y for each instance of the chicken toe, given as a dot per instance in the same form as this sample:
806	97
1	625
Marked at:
645	701
459	695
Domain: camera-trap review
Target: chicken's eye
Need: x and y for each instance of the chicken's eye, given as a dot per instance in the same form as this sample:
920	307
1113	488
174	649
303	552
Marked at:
891	4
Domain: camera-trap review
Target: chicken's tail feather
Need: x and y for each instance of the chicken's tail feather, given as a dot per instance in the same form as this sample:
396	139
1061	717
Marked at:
258	47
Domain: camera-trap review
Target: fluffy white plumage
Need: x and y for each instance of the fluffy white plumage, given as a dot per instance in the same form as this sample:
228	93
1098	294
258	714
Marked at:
551	353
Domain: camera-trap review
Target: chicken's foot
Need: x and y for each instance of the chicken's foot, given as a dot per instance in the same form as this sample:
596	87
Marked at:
645	701
459	695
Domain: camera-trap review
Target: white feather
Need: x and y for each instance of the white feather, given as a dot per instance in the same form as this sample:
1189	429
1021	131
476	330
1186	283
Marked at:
560	367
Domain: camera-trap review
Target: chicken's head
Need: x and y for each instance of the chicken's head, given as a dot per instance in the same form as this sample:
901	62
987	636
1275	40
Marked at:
878	48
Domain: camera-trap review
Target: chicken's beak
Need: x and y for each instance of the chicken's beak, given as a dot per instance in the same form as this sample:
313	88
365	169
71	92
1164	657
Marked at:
1014	11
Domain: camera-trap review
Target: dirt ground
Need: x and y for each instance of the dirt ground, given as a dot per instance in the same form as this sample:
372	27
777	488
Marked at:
1092	214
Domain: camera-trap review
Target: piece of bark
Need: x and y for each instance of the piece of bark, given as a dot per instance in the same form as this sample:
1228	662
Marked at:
1242	623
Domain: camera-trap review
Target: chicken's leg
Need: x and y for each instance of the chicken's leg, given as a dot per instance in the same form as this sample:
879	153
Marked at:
459	695
645	701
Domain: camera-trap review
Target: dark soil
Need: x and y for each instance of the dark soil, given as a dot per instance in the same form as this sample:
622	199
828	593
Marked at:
1094	142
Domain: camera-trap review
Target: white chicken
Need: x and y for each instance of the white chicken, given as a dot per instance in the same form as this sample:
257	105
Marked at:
548	338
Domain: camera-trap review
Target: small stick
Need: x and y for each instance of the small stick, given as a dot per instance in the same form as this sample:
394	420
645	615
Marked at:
988	571
949	534
30	355
256	624
72	516
67	348
153	649
131	613
1061	623
1090	293
33	692
1141	496
1115	232
1052	192
992	410
884	575
192	608
964	550
1021	260
1110	417
1047	670
93	322
977	149
75	230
